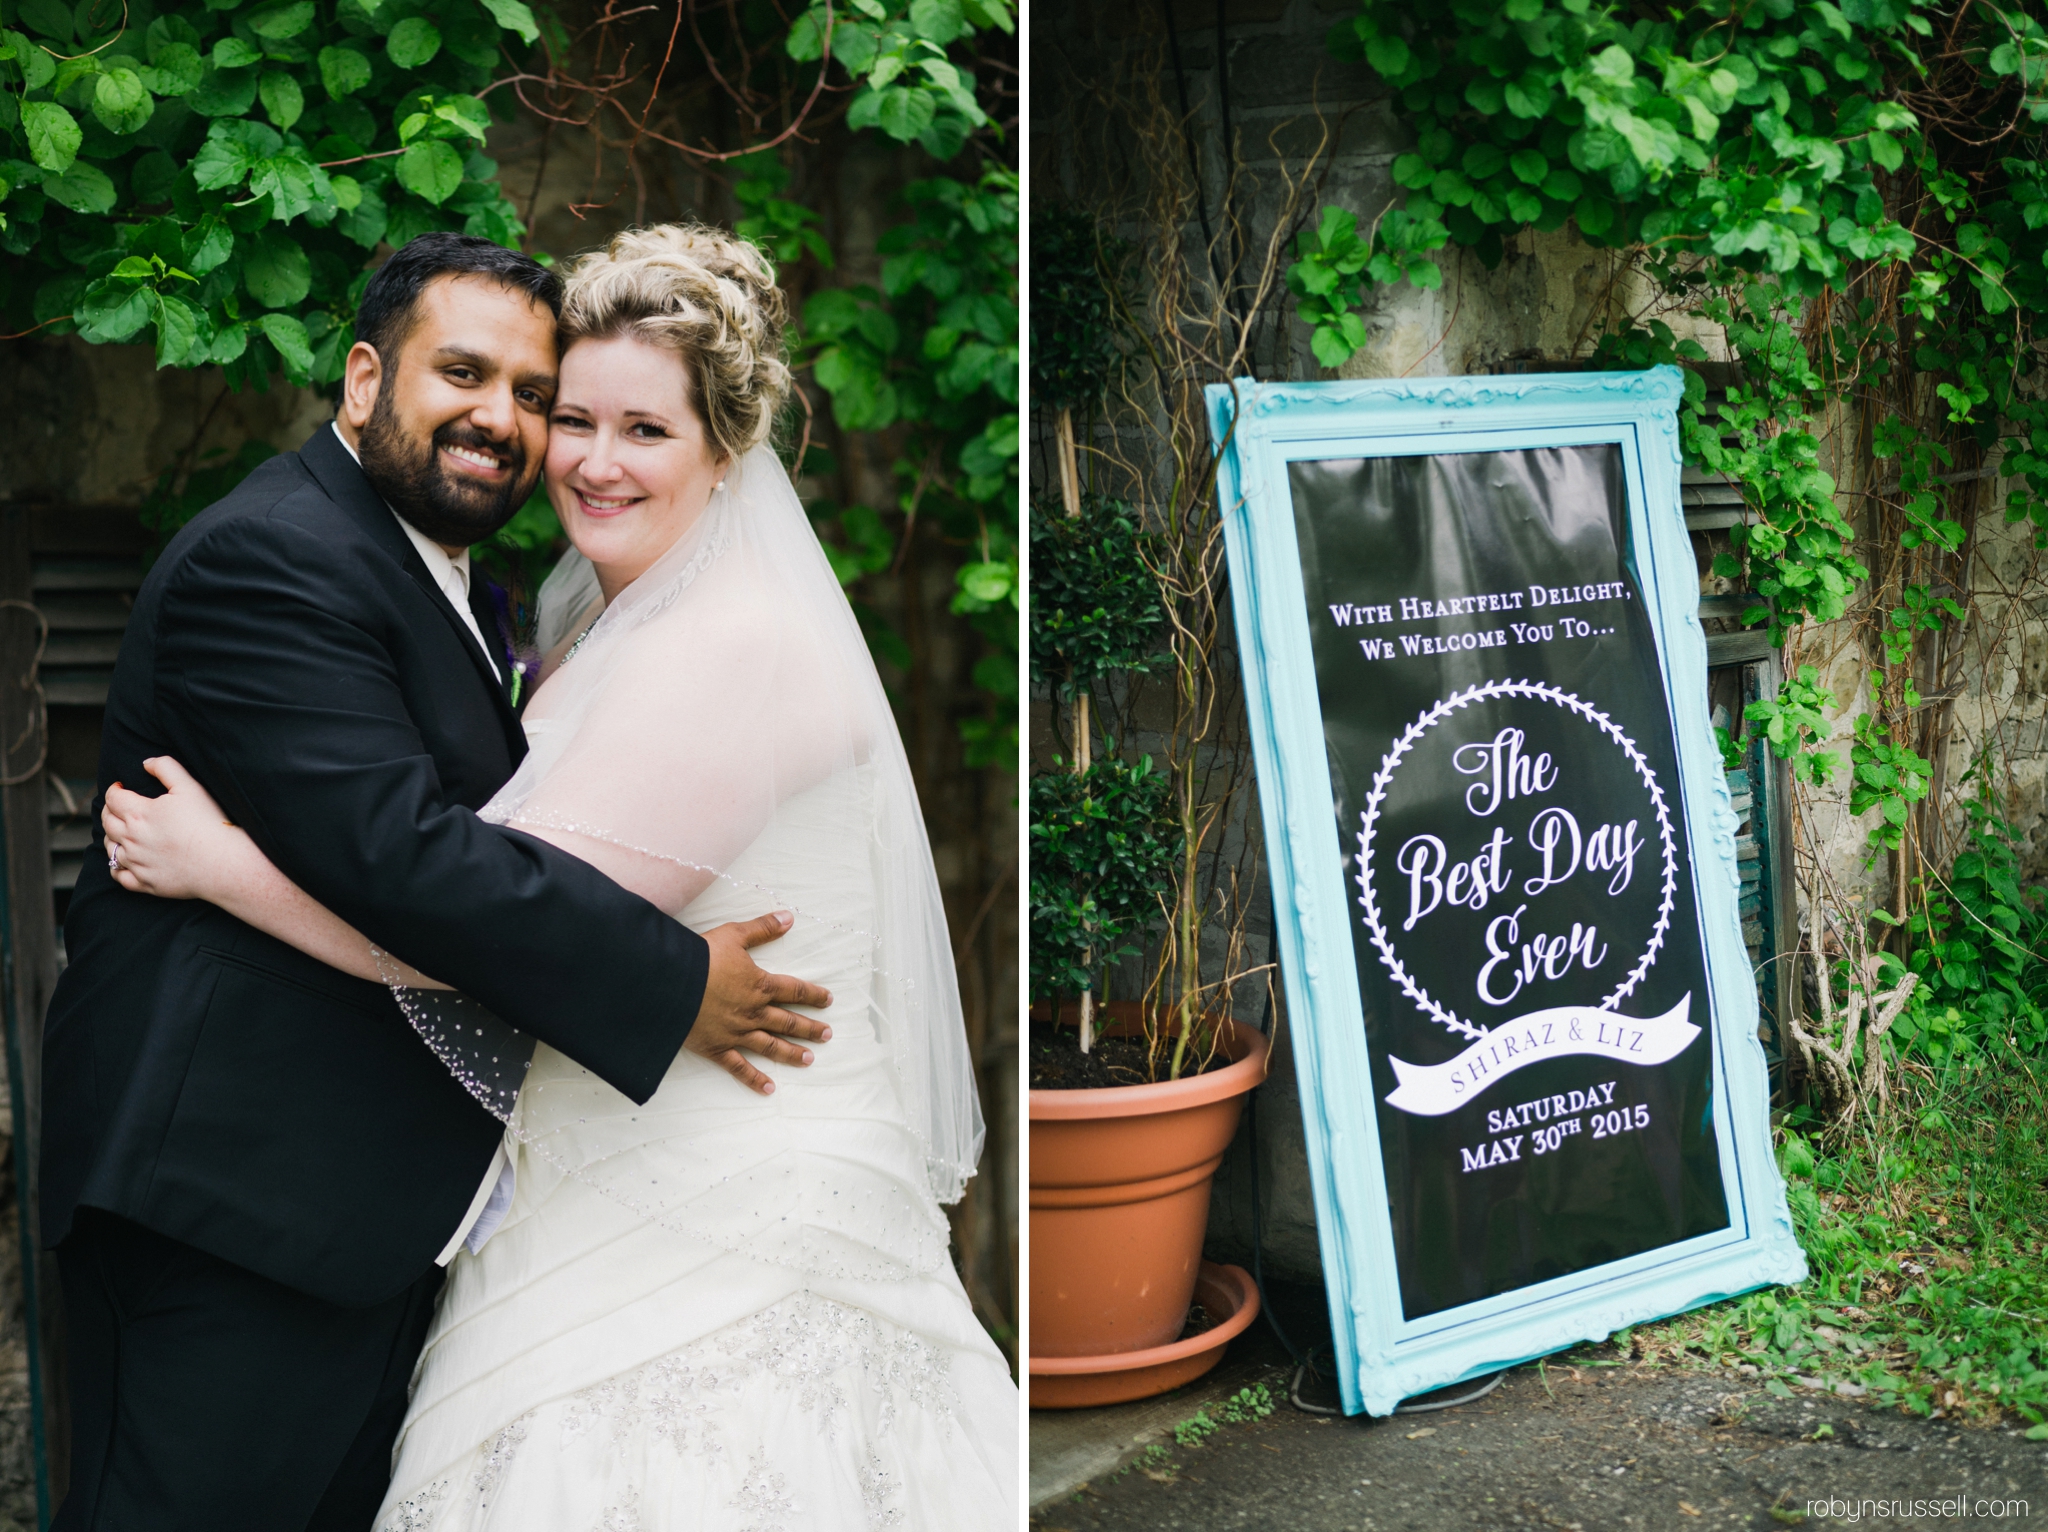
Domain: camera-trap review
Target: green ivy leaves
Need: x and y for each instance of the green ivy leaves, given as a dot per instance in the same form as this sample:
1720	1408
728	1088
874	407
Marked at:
223	92
49	17
120	304
514	17
1885	775
83	189
53	135
909	88
1752	139
282	99
932	353
413	42
1795	722
1335	265
786	229
258	150
279	22
230	151
239	151
343	71
431	170
1747	158
276	270
289	336
121	101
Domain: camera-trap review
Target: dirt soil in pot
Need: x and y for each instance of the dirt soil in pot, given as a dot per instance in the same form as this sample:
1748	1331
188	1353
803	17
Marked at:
1057	1062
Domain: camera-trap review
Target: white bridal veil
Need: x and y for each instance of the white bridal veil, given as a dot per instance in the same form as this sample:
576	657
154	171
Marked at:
719	700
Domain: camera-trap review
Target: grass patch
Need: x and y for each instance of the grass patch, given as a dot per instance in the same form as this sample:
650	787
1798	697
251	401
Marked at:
1926	1230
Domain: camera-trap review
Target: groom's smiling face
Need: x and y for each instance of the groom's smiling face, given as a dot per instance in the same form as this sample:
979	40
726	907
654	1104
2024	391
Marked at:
453	429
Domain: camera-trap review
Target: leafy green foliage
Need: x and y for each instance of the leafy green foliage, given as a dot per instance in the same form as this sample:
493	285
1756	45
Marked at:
1734	752
909	88
1336	266
1981	950
1928	1251
1887	776
1793	723
787	230
1761	165
1247	1404
932	353
213	177
1073	321
1095	604
1104	844
1753	137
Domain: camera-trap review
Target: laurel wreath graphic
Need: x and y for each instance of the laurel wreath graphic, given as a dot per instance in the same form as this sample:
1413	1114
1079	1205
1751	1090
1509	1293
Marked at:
1369	818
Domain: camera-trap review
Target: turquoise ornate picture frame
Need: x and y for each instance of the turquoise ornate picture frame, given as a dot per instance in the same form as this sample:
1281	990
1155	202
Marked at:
1501	848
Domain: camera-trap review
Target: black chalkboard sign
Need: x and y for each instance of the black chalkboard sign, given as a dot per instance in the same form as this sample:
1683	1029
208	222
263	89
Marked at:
1500	763
1502	847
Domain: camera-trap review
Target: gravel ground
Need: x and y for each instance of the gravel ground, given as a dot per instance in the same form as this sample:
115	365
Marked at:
1577	1447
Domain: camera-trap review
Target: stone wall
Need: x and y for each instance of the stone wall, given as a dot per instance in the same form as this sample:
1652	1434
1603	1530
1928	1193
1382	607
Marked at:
1293	109
97	425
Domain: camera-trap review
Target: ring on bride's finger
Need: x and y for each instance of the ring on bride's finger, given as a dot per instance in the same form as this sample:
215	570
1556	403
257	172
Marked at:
113	856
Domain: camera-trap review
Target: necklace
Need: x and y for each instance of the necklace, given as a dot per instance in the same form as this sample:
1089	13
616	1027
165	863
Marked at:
570	653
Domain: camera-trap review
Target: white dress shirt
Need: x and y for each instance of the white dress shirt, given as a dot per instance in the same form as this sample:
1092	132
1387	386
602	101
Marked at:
493	1199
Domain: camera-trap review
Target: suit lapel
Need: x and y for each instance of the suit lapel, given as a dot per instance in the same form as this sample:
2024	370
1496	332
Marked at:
342	477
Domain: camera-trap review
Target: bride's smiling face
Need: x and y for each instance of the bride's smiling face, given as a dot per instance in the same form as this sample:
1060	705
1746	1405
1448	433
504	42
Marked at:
630	466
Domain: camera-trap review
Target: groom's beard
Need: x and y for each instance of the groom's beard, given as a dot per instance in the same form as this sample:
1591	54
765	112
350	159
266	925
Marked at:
450	509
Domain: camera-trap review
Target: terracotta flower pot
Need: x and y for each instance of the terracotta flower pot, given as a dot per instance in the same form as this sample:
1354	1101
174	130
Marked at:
1119	1201
1230	1298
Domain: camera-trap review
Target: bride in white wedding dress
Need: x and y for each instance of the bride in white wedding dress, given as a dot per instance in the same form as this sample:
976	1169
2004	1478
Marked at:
728	1310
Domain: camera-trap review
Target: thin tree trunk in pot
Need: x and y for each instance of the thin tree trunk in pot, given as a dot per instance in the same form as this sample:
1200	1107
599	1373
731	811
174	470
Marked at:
1070	493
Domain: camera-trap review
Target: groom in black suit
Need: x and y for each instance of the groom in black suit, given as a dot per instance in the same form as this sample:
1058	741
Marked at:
252	1164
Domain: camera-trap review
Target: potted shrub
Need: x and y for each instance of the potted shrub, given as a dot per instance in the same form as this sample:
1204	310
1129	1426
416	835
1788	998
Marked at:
1134	1099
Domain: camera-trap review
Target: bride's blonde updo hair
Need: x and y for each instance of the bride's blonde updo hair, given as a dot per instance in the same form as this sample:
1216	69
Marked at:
705	294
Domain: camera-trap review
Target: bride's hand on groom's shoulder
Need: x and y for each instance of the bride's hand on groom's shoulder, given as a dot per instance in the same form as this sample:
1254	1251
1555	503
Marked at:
168	845
744	1008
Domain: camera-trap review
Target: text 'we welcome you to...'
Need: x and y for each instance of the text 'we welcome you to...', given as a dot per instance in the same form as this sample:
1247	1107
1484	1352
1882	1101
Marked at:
1531	599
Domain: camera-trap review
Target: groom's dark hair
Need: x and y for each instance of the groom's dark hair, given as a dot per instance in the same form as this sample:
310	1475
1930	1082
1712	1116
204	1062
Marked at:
385	316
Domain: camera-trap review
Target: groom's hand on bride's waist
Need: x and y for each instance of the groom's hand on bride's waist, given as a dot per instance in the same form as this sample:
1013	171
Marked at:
745	1007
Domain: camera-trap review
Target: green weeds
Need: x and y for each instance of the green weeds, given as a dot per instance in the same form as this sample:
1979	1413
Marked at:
1926	1229
1247	1404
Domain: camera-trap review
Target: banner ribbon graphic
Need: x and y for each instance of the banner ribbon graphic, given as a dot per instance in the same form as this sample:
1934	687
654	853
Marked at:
1430	1090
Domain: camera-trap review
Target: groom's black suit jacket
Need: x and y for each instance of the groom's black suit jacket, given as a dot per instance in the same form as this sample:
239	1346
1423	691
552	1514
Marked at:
210	1083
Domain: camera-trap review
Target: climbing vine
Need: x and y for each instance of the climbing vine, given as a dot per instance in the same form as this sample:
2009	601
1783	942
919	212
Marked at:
217	178
1856	194
932	351
212	177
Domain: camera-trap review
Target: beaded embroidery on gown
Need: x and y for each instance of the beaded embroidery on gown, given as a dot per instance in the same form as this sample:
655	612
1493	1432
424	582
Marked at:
719	1311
